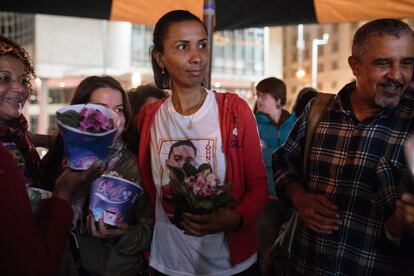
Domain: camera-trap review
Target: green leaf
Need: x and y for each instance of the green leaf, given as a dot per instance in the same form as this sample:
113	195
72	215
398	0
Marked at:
192	200
223	200
176	173
204	167
205	204
189	169
180	188
34	195
70	118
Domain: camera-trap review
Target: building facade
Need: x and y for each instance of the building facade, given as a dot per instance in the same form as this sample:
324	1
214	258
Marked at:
332	68
65	50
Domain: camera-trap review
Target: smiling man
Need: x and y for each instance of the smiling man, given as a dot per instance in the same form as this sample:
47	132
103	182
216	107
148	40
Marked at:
382	64
355	161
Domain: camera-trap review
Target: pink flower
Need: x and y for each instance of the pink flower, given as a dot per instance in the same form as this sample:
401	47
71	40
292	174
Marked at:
200	189
205	185
94	120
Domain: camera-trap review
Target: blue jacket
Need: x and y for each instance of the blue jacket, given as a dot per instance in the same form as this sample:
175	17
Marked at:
272	137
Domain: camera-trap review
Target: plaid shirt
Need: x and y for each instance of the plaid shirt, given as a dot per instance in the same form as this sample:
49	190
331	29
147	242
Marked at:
356	165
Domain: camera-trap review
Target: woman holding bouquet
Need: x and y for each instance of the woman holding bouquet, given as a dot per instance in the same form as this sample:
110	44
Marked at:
223	131
30	245
102	250
16	72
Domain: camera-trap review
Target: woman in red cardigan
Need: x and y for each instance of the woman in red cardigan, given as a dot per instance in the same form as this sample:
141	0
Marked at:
223	132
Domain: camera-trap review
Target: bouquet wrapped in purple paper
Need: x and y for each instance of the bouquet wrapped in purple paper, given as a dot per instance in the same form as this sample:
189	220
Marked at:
88	130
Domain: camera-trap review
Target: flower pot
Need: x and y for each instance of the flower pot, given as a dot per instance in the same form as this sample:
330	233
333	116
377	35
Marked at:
82	148
110	198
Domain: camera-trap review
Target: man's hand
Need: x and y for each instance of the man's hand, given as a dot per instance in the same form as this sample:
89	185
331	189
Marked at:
70	181
407	205
402	219
317	212
223	219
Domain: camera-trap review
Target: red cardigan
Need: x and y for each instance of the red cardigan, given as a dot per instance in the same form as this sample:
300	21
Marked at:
244	161
29	246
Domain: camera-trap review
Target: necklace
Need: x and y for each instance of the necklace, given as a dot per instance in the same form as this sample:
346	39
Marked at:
191	117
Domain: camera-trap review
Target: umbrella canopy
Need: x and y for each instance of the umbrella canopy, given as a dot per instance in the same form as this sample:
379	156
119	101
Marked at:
136	11
236	14
230	14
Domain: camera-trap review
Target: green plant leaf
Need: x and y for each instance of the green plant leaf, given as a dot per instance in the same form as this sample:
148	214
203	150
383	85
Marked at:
176	173
70	118
204	167
205	204
180	188
189	169
223	200
192	200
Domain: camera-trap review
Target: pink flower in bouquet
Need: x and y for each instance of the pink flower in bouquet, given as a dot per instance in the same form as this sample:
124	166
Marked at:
93	119
87	119
204	185
198	188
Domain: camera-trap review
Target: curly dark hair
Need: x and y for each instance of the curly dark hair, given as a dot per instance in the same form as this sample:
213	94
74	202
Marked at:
10	48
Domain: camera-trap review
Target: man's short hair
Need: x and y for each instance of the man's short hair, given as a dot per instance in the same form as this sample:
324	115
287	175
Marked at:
182	143
379	27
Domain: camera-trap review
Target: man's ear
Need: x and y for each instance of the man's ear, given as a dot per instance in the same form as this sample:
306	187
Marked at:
354	63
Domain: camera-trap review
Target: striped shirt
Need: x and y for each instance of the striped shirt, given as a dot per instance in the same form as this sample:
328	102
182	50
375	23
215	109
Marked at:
356	165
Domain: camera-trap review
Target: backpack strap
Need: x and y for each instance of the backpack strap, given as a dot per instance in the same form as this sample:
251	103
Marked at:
317	109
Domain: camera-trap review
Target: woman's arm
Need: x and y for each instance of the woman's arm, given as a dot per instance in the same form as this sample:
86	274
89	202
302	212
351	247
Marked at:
255	178
35	246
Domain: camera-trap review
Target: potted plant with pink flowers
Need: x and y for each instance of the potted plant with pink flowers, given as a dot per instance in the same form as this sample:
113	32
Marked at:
196	190
88	130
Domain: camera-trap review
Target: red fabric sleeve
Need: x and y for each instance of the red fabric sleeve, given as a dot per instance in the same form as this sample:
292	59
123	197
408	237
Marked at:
255	177
29	247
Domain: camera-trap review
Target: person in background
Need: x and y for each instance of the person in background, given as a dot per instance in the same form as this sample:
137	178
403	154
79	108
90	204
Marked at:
303	98
222	127
356	161
139	96
35	245
144	94
103	250
16	74
274	124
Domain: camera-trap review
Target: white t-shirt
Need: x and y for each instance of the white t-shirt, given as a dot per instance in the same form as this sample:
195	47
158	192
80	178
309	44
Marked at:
199	141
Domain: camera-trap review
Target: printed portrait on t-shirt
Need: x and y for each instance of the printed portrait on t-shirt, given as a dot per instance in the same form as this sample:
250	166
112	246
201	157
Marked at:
176	153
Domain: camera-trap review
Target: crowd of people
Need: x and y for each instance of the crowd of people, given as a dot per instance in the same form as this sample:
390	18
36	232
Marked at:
354	200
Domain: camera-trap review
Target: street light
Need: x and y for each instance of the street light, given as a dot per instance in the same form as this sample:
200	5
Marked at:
300	73
300	45
315	43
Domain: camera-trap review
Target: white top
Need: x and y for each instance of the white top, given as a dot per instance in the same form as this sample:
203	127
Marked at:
172	251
